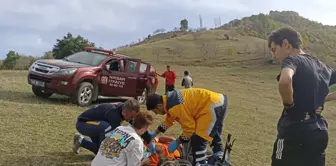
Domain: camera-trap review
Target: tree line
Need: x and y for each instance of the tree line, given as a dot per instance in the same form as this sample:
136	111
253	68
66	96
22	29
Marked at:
70	44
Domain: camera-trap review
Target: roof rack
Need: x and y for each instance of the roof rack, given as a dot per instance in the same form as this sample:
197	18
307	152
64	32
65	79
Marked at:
101	51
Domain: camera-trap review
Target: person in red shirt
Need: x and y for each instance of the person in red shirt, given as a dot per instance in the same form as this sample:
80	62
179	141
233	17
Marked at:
170	77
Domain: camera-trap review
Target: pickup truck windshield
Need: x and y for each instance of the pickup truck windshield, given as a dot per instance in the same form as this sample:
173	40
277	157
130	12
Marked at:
88	58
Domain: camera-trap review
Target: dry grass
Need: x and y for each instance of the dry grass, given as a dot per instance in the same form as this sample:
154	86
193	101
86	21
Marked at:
39	131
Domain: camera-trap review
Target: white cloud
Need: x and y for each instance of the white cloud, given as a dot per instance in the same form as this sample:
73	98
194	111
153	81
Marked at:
34	25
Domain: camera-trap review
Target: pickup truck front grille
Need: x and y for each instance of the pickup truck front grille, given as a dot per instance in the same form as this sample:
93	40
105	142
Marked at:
40	78
44	68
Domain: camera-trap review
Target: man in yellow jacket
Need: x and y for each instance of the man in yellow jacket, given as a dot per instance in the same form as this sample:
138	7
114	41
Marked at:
200	113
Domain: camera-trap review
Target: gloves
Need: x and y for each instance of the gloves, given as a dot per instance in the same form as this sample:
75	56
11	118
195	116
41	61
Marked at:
152	148
152	135
173	146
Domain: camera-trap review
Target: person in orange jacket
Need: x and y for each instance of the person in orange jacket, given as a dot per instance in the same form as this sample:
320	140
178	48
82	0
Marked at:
161	147
200	113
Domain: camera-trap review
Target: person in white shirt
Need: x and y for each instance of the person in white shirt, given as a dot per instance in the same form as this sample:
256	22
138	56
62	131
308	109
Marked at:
187	81
124	146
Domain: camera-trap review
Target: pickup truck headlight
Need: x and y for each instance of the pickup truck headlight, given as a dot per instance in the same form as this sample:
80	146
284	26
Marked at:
32	66
66	72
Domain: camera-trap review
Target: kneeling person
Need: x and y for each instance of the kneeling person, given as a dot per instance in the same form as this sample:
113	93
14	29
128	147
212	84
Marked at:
200	113
101	119
124	145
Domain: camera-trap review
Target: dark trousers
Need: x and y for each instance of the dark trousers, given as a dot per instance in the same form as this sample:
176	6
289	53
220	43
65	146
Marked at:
199	144
95	130
301	145
169	88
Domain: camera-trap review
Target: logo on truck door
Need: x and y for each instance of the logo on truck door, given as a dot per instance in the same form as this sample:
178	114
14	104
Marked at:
118	82
103	80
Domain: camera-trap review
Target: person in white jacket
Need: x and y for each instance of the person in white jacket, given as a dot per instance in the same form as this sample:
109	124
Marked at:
124	146
187	81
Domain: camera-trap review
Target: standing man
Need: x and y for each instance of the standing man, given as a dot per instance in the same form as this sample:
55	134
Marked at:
303	85
187	81
170	77
200	113
100	120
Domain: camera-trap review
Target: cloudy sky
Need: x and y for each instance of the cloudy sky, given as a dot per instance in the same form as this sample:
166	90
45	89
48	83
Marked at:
31	27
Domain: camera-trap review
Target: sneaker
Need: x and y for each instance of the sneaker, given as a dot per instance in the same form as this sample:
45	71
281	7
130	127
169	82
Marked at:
219	154
76	146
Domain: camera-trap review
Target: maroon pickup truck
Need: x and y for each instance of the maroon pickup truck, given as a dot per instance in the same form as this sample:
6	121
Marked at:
85	75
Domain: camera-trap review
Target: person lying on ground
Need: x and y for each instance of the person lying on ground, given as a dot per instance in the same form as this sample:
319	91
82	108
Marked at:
200	113
100	120
161	148
124	146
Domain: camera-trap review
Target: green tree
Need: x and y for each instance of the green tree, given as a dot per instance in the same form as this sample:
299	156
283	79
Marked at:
48	55
70	45
184	25
10	61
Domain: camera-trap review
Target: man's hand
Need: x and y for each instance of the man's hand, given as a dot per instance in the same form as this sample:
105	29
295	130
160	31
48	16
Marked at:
145	162
173	146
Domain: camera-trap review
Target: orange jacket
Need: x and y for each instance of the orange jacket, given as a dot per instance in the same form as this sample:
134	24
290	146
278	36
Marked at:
164	144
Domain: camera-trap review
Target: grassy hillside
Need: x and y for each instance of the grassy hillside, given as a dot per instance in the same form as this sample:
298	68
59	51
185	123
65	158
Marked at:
319	39
207	48
239	42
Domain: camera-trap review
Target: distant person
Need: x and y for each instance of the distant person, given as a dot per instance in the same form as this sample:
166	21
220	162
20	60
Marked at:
170	77
187	81
124	146
101	119
304	88
200	113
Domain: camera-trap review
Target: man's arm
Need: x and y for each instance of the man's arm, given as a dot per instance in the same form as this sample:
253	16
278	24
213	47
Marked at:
332	77
174	75
285	85
168	122
182	84
188	130
163	74
288	68
331	96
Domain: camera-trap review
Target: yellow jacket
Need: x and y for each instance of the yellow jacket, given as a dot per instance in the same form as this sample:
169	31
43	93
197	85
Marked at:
193	109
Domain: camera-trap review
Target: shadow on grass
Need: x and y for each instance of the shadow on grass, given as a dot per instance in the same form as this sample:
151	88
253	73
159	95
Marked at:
30	98
50	159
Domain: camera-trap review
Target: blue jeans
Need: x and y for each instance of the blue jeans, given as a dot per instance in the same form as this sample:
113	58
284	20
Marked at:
96	130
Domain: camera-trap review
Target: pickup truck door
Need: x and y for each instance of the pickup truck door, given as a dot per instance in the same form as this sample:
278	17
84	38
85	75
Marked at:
112	80
143	75
132	76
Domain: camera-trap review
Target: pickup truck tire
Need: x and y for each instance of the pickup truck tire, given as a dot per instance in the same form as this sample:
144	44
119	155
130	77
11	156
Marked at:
39	92
84	94
143	98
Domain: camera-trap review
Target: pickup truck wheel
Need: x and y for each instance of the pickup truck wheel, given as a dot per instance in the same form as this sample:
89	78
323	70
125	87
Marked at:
39	92
142	99
84	94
